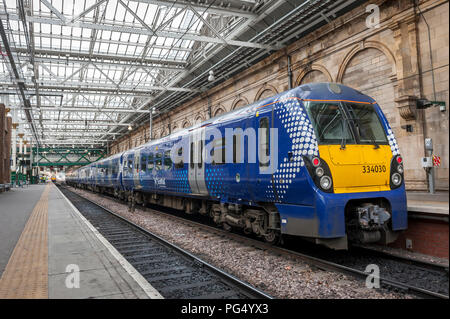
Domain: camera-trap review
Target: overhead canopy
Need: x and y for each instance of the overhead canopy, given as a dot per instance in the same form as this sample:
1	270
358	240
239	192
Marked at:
88	69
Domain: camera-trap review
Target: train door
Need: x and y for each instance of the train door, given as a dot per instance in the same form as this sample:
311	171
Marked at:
120	164
267	154
136	169
127	176
143	169
239	172
196	162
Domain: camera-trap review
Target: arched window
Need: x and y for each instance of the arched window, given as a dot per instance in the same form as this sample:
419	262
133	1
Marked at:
219	111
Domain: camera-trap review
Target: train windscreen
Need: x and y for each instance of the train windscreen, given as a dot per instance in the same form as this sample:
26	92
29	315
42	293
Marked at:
367	123
345	123
329	122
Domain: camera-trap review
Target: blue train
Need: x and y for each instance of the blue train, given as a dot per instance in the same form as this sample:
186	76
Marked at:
319	161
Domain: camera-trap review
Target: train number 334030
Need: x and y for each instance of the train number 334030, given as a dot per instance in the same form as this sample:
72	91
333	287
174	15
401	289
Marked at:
374	169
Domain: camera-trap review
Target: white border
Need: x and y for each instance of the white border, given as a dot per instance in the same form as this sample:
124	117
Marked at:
151	292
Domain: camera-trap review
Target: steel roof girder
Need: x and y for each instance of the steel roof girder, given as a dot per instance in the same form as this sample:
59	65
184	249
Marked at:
210	8
105	87
89	109
144	31
66	54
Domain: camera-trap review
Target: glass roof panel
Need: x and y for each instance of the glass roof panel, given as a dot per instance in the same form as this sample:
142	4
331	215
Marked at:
93	55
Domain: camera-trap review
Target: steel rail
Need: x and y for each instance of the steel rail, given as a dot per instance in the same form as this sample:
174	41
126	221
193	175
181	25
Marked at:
404	259
235	282
317	262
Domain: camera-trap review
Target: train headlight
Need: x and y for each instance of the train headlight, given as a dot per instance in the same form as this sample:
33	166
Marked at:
325	182
319	171
397	170
396	179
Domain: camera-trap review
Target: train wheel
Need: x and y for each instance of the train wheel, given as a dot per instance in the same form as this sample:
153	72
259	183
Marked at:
272	237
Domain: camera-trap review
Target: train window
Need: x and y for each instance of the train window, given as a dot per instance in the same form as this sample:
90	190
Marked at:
136	166
330	125
218	151
158	162
143	163
179	164
200	154
130	164
367	123
167	160
151	164
264	142
192	155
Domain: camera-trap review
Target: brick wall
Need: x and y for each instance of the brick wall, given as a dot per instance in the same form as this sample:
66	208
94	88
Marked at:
314	76
428	237
389	63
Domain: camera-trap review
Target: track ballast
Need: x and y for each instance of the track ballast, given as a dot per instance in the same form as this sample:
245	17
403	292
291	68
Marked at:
396	273
175	273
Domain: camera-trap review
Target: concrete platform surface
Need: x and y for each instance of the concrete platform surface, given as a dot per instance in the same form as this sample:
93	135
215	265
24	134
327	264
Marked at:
422	202
76	261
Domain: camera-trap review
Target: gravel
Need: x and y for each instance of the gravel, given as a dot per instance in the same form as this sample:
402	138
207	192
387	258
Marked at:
280	276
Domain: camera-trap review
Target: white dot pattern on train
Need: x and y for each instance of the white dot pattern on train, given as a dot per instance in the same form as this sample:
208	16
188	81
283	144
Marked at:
303	142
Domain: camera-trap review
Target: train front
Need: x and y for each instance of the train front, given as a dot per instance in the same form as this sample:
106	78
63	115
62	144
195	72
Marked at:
355	171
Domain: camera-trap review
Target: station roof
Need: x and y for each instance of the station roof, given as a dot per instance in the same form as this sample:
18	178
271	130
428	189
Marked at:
80	72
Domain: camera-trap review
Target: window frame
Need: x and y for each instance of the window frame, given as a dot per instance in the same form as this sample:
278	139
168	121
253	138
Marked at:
159	159
180	164
150	162
267	143
167	158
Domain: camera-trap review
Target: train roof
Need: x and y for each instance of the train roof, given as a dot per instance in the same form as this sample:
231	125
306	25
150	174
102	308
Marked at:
314	91
323	91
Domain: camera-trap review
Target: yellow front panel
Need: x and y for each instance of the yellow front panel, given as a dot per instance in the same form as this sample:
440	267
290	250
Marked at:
358	168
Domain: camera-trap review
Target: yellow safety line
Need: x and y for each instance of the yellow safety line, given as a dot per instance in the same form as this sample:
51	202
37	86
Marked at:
26	274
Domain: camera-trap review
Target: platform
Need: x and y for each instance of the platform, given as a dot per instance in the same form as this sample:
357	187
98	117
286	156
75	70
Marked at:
422	202
48	250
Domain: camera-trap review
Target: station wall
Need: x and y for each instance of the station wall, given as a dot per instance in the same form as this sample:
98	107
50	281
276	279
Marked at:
391	63
5	145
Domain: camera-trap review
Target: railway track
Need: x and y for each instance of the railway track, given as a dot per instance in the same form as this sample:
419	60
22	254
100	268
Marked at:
174	272
405	275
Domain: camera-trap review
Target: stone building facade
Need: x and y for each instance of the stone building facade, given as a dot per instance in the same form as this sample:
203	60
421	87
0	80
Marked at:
390	62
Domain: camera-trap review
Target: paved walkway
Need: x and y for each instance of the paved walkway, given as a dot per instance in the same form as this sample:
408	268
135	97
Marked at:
58	253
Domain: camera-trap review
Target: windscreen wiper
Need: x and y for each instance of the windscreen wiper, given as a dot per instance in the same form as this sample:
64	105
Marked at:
343	140
371	136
